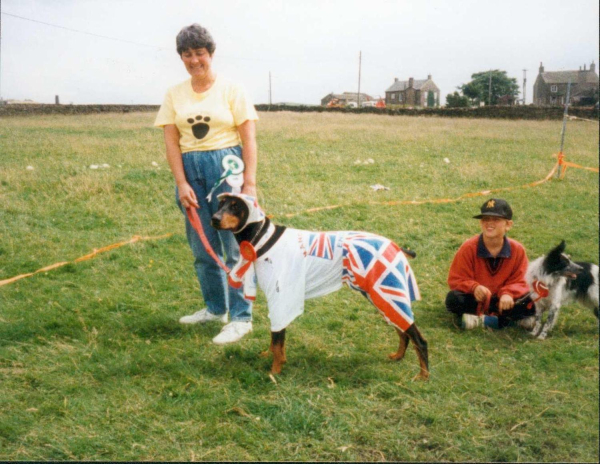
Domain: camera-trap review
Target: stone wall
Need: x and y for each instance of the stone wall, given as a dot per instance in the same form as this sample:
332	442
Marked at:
492	112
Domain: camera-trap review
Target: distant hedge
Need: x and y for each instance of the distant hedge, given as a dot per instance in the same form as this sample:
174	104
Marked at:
492	112
33	109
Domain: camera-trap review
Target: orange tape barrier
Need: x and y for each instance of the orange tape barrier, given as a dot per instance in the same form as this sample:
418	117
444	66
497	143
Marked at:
135	238
438	200
561	163
575	118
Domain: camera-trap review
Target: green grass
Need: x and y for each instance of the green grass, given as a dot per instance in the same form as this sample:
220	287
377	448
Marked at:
94	365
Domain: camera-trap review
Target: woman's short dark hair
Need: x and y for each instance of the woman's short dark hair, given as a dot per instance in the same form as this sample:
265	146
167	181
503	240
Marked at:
194	36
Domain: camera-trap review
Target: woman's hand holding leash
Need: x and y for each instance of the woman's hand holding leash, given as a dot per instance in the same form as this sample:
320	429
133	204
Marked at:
249	190
187	197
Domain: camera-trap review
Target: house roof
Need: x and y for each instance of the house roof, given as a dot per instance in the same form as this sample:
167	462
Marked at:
586	89
402	85
563	77
353	94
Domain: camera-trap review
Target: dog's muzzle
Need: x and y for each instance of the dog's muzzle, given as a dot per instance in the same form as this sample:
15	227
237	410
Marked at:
215	221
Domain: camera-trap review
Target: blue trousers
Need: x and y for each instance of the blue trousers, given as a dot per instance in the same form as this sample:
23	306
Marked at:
202	170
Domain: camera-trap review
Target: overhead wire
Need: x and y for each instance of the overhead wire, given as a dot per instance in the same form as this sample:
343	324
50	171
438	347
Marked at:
82	32
241	58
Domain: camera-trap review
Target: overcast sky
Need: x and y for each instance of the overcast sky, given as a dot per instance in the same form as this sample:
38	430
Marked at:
311	47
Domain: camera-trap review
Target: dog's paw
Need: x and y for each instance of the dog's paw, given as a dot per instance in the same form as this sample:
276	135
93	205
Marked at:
276	369
396	356
541	336
421	377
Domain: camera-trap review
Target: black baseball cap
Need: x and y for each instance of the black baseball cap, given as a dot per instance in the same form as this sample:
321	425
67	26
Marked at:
495	207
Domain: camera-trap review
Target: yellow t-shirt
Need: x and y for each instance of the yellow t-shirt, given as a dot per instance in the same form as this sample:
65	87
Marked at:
208	120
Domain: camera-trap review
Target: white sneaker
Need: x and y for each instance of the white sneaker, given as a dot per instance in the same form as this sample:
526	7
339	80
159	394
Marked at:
233	332
527	323
203	316
470	321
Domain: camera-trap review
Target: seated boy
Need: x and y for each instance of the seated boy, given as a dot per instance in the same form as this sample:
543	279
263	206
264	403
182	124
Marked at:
487	275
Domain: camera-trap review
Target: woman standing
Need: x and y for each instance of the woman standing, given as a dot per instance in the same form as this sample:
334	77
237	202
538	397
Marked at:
205	119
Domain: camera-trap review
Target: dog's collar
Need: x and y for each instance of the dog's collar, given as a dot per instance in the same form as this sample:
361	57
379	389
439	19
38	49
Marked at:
263	229
272	240
266	237
542	291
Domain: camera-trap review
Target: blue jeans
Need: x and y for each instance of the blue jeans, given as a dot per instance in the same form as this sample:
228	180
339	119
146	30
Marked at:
202	170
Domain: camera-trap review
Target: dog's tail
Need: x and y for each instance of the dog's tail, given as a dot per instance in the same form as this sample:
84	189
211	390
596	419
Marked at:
408	252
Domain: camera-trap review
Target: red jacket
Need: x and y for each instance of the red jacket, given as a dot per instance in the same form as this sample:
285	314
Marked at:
472	267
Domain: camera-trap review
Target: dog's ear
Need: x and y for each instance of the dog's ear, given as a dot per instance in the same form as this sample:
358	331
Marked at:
559	249
553	260
242	213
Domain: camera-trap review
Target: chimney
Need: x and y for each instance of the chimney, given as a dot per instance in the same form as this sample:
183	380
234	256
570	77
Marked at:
411	81
395	79
581	75
541	68
584	67
593	67
428	77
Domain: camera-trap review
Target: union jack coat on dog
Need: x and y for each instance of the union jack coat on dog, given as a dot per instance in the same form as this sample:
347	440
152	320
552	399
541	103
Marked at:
303	265
293	265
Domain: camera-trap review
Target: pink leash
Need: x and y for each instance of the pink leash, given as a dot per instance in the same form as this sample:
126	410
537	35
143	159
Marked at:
197	225
484	306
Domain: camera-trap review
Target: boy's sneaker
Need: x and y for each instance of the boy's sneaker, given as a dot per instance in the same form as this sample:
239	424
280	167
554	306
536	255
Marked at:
470	321
202	316
527	323
233	332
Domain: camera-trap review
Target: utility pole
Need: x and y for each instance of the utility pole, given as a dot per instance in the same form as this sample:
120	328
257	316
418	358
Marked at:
0	54
270	94
564	130
358	94
524	85
490	89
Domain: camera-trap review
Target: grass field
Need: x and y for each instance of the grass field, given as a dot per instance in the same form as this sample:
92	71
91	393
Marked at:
95	366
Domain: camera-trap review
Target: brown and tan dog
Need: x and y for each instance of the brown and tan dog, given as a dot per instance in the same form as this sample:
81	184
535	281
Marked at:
294	265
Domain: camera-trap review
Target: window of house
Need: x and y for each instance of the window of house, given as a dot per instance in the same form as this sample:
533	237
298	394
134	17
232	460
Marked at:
399	97
393	96
554	88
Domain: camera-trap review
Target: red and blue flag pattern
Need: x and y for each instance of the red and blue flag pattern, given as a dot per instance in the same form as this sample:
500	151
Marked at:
377	268
322	244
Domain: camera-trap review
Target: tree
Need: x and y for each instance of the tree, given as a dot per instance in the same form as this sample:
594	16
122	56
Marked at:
455	100
478	90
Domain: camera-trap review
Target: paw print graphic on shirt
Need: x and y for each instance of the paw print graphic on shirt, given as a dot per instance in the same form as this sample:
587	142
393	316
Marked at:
200	129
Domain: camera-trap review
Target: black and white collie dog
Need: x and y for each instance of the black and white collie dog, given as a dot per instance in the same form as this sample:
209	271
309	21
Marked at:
555	280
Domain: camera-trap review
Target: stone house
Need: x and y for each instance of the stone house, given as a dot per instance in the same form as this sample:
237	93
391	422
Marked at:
550	88
346	98
420	92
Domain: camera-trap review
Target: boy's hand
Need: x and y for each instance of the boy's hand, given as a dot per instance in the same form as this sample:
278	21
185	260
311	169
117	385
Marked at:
481	293
506	302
